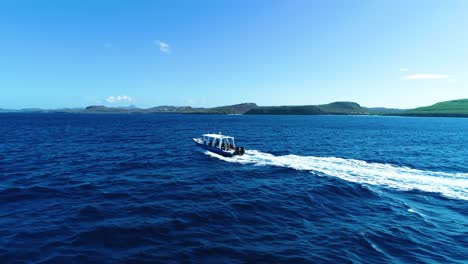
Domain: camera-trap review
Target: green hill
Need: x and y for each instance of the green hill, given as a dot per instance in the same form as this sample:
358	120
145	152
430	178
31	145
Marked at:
448	108
343	108
286	110
336	108
237	109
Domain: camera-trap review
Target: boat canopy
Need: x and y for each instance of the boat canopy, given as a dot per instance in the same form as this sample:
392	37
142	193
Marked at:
218	140
216	136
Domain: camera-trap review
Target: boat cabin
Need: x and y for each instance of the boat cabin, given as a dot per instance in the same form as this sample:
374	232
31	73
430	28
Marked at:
218	141
219	144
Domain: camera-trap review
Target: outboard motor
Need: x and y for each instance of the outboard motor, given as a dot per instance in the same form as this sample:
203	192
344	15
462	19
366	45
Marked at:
239	151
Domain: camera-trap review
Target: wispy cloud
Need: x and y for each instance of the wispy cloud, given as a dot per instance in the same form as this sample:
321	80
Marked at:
403	69
424	76
163	47
119	98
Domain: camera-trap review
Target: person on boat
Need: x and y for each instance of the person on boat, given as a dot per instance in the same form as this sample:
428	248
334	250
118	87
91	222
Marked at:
226	145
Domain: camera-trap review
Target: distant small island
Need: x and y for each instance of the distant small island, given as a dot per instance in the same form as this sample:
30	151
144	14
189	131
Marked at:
454	108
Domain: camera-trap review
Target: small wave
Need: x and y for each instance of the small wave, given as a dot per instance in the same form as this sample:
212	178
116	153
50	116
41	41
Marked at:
412	211
452	185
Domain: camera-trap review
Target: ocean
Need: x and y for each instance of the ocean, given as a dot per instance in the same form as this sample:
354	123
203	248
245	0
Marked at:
133	188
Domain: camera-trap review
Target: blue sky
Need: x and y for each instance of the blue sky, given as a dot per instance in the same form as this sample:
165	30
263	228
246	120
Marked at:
74	53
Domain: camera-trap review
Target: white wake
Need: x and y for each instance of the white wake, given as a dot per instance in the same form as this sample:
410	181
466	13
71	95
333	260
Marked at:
452	185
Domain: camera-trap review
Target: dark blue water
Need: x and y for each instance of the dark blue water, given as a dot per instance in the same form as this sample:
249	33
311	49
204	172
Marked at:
310	189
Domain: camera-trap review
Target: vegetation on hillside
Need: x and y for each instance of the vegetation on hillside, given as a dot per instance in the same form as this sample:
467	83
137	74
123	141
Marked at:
336	108
447	108
229	109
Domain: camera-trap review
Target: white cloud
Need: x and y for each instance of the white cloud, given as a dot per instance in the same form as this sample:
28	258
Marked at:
163	47
403	69
118	98
424	76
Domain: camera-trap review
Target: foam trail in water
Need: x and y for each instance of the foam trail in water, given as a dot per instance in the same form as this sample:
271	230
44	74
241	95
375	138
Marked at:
453	185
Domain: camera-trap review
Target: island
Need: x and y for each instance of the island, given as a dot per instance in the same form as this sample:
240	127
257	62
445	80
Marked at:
454	108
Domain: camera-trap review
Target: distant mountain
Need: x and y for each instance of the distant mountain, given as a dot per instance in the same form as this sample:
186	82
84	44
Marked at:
32	110
229	109
454	108
336	108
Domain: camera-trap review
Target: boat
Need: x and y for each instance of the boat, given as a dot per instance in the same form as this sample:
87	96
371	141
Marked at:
219	144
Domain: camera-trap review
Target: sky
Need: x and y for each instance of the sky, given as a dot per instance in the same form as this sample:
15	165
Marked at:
77	53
